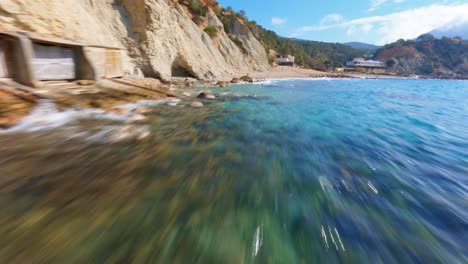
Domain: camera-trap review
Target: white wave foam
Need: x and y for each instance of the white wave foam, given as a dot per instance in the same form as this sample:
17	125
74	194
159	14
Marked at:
46	116
273	81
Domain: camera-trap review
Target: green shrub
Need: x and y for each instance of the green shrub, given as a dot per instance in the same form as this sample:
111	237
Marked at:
238	43
211	31
426	69
197	7
227	22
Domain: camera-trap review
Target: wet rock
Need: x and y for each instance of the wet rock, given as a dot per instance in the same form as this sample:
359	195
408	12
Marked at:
222	83
138	119
235	80
5	123
95	104
186	94
247	78
206	95
143	111
197	104
120	111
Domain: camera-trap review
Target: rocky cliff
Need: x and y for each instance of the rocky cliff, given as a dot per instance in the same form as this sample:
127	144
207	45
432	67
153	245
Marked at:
162	38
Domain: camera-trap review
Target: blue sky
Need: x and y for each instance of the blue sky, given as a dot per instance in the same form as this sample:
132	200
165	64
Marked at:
371	21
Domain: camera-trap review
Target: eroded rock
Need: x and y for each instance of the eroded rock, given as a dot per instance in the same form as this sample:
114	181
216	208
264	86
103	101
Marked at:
222	83
247	78
206	95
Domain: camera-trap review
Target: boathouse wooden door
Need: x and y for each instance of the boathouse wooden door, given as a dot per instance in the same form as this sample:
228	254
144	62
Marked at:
107	61
53	63
4	55
113	63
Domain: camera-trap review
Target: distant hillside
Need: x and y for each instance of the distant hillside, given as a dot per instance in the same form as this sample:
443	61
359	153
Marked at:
427	55
361	45
312	54
450	31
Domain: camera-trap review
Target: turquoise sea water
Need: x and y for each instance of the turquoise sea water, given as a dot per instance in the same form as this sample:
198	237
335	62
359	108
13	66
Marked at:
308	171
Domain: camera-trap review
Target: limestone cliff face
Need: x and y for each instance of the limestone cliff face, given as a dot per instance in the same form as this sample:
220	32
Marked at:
159	36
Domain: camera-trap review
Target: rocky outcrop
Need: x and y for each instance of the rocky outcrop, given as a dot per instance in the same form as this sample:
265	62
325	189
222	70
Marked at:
160	37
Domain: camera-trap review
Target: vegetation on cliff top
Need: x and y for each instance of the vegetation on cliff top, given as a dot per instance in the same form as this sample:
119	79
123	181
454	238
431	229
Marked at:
311	54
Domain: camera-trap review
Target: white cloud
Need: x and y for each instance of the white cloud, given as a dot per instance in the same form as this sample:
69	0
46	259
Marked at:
406	24
375	4
278	21
366	28
331	19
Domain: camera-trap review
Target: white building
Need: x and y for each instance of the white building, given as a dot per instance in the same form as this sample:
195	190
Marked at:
361	62
285	60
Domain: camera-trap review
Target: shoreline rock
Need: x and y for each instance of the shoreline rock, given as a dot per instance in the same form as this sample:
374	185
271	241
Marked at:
206	95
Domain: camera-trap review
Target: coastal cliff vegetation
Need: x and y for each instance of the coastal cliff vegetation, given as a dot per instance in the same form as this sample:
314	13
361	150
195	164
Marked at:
310	54
428	56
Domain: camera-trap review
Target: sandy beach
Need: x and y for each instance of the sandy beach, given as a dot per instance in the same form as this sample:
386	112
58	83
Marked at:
285	72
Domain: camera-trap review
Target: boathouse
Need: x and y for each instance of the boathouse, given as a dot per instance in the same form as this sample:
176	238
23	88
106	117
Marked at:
59	59
30	59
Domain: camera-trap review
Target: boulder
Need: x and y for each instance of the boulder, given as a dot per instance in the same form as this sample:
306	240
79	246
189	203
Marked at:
222	84
247	78
197	104
235	80
187	94
206	95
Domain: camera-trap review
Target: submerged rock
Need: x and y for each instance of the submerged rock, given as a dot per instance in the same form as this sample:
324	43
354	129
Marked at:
206	95
129	133
197	104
